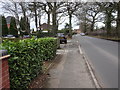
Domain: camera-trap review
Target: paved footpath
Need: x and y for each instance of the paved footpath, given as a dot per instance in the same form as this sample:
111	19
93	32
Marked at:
70	71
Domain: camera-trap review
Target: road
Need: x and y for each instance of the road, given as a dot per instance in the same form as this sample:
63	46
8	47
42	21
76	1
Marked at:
103	57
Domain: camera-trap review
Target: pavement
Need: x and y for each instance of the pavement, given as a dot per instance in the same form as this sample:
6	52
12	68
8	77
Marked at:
69	71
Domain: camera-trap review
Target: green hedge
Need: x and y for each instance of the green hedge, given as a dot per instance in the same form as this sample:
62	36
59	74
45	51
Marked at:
27	57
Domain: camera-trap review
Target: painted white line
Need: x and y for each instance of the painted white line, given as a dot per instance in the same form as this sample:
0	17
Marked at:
97	85
80	49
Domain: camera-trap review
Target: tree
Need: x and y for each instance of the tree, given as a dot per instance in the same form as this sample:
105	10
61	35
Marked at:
33	7
93	14
66	28
118	19
83	18
53	9
4	26
48	9
71	9
12	7
24	21
107	8
13	27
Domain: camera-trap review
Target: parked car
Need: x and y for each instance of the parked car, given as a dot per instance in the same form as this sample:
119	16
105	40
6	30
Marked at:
26	36
82	34
63	39
9	36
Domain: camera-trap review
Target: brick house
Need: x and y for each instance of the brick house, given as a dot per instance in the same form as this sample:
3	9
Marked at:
45	27
78	31
8	20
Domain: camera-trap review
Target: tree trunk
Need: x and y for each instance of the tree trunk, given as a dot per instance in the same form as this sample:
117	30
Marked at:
48	21
54	16
36	20
92	25
17	17
118	20
40	23
108	23
70	25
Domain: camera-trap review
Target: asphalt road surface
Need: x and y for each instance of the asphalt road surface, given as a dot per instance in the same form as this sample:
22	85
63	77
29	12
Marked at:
103	56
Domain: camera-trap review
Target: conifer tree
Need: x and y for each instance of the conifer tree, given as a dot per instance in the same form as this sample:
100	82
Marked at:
13	27
4	26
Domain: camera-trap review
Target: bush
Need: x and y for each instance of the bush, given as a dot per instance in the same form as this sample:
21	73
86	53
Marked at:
27	57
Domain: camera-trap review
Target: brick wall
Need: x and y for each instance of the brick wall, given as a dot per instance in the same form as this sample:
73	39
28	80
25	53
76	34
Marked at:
4	72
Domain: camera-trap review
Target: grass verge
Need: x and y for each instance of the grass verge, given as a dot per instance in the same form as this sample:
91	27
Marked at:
107	38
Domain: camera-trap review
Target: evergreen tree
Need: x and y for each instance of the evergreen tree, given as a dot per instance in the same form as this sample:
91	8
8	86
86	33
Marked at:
25	25
4	26
13	27
22	23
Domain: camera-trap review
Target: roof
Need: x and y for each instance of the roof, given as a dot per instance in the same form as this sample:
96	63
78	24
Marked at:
45	26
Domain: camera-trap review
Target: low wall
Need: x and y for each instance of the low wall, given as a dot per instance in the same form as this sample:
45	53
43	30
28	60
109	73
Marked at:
4	70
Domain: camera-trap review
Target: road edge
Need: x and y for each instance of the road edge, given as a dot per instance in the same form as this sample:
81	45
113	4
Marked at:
97	85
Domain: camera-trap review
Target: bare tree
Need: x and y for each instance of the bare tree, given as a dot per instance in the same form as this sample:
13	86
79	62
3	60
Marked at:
93	14
82	17
46	6
71	9
53	8
107	8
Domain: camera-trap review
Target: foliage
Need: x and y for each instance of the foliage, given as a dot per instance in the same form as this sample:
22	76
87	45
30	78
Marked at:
13	27
26	58
65	30
61	31
24	26
22	23
4	26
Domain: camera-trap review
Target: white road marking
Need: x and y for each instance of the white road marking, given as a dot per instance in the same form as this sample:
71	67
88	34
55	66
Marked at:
90	69
80	49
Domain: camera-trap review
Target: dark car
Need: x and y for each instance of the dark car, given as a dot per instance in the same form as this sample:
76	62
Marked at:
9	36
63	39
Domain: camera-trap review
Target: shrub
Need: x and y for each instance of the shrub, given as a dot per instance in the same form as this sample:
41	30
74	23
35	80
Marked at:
27	57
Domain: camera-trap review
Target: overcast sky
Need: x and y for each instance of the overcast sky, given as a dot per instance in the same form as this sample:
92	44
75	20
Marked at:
44	20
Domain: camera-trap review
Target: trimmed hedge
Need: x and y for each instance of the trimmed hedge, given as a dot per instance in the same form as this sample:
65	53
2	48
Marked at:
27	59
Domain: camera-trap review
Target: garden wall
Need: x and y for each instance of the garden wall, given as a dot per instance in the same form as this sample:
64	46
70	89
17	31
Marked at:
4	70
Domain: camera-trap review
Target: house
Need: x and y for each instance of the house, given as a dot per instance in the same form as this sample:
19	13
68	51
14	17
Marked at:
45	27
8	20
78	31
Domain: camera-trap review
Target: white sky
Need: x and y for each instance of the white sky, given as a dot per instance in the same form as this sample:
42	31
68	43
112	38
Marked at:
61	26
44	20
